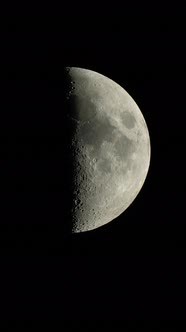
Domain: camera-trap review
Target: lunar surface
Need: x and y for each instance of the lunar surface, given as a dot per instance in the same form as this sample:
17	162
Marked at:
110	147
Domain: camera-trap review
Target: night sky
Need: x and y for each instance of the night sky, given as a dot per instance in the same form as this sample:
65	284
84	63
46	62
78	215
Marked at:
133	268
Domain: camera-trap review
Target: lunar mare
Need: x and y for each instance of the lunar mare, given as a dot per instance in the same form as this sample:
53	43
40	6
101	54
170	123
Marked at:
111	149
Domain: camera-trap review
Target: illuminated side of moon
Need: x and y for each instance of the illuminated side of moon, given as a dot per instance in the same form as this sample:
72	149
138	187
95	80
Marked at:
111	148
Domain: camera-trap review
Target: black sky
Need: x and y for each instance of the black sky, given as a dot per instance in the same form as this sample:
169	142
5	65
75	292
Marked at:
133	268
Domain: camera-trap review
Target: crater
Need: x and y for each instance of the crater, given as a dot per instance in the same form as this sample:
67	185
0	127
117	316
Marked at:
128	119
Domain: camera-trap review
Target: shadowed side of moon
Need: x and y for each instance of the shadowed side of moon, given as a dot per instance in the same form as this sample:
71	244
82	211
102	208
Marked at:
110	148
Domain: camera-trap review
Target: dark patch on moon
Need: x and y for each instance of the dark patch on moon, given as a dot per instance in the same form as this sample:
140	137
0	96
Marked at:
128	119
81	109
105	165
96	133
124	147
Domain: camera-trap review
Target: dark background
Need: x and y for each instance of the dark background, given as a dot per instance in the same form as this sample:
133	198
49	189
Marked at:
132	268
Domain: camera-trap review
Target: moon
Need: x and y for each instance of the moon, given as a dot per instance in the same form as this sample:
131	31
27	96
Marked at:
110	147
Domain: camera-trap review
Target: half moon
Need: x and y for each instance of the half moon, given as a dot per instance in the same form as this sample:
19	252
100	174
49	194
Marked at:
111	148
